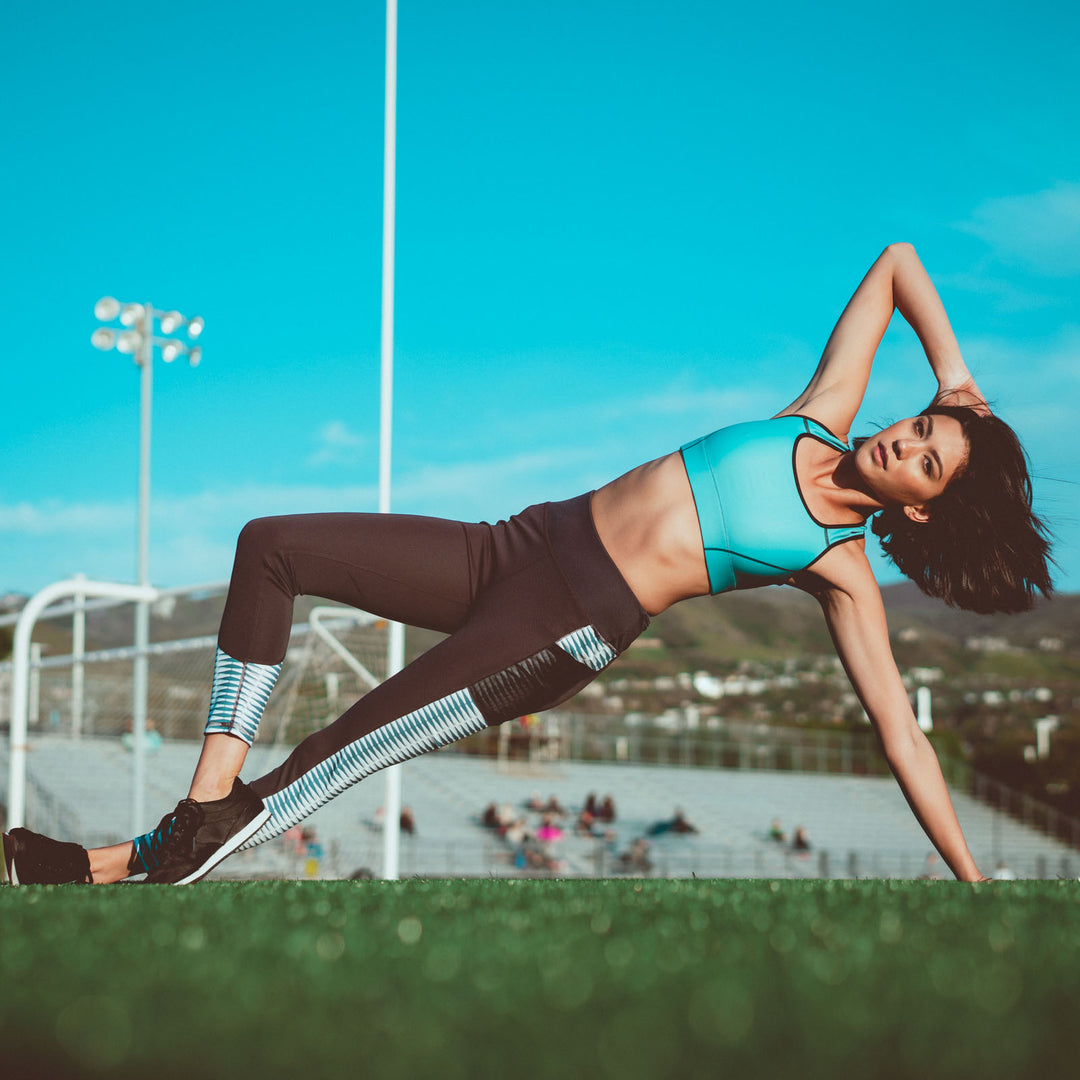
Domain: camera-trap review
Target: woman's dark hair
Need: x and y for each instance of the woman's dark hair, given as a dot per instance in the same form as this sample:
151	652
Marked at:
982	549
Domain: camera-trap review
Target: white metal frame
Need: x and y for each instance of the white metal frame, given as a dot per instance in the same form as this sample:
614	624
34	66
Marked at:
319	617
20	675
24	667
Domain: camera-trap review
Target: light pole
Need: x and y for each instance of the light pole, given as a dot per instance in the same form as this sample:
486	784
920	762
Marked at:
138	340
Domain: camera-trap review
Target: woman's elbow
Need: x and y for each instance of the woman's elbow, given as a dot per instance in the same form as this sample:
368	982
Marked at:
900	745
900	249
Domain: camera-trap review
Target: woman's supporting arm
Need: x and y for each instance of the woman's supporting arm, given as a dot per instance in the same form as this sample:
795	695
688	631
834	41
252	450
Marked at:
896	281
856	620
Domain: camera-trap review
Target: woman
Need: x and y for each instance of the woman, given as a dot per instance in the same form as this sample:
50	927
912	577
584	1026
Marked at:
536	606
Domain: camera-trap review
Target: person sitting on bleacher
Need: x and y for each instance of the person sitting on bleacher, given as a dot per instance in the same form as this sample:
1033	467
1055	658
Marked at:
152	739
517	832
677	824
585	822
636	860
549	830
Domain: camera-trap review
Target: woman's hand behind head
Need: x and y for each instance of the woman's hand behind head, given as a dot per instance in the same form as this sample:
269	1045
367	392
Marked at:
966	395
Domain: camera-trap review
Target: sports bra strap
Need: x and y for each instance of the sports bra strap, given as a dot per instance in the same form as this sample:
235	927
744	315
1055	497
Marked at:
837	534
822	432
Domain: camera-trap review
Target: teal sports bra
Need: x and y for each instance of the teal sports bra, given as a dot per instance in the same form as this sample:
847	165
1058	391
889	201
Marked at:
755	524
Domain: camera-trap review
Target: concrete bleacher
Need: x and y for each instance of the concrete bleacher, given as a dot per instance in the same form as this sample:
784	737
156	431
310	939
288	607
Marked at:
82	790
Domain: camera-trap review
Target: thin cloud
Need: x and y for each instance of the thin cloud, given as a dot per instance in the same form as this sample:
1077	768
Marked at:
193	535
1006	296
205	512
56	516
693	409
721	406
1050	365
337	444
1040	231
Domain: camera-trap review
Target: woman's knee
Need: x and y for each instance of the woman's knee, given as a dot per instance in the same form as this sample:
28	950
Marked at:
263	548
262	536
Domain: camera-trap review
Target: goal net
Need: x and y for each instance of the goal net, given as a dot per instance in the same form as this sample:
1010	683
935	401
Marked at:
79	771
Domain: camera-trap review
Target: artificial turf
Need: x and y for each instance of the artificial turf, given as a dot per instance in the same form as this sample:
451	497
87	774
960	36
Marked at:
562	979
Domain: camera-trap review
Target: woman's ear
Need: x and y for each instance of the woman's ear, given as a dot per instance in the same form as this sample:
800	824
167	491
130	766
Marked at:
918	513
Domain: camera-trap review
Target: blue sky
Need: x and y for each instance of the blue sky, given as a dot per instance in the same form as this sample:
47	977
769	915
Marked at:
620	225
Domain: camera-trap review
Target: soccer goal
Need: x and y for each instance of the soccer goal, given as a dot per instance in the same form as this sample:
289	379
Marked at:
69	767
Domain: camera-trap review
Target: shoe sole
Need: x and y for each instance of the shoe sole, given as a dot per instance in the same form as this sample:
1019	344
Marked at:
10	874
227	848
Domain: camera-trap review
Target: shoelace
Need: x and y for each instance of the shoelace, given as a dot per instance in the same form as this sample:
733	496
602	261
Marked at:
186	819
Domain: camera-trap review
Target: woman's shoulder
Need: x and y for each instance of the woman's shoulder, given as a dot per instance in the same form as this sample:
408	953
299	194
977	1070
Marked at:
844	568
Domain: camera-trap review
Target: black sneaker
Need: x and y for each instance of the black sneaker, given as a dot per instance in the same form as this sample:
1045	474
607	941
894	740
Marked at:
33	859
205	833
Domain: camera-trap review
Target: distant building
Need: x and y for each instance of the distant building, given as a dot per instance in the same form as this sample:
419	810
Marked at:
926	674
988	644
708	686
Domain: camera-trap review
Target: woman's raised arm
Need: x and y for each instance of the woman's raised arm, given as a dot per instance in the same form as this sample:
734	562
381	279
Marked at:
856	618
896	282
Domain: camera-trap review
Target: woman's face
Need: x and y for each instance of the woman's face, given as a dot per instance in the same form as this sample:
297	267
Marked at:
912	461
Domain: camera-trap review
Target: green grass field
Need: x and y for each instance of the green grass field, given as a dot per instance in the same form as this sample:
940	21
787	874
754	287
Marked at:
561	979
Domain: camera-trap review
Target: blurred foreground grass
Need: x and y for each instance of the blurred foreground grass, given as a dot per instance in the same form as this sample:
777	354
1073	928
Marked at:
562	979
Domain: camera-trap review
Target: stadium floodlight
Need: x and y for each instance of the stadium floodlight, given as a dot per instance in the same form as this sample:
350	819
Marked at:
128	342
138	340
103	338
106	309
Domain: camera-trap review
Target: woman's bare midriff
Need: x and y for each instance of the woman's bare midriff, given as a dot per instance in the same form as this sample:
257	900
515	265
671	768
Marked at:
648	523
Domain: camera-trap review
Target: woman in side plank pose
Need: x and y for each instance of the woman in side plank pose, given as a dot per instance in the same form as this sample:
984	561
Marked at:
537	605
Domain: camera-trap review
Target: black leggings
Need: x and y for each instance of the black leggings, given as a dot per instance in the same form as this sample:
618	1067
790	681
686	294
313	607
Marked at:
534	607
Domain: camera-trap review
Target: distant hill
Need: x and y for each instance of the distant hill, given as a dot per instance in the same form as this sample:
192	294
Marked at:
775	623
1058	617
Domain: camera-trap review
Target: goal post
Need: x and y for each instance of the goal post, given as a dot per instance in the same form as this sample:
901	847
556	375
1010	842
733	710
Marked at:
20	680
69	767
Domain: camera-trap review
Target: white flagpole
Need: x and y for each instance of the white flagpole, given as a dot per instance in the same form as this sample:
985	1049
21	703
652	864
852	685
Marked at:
395	651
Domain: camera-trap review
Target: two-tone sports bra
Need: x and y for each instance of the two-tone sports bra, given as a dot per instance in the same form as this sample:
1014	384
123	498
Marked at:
755	524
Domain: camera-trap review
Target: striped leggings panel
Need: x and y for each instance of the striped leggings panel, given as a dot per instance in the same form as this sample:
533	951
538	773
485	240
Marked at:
238	699
500	696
